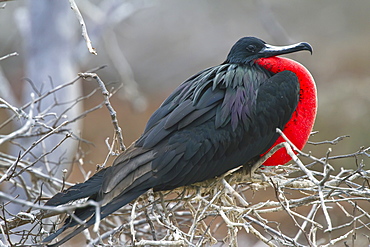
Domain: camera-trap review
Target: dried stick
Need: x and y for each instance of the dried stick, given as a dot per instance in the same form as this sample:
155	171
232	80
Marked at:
234	193
273	231
9	55
113	113
83	27
63	209
289	146
332	142
133	216
46	94
279	194
160	243
30	121
17	111
309	174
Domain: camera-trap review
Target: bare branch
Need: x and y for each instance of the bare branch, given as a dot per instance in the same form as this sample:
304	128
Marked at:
83	27
160	243
113	113
25	127
332	142
9	55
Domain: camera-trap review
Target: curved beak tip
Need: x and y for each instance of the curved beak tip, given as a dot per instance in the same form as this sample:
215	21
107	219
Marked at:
307	47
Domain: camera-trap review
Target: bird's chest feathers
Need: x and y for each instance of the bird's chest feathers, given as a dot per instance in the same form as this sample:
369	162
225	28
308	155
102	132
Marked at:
228	91
240	85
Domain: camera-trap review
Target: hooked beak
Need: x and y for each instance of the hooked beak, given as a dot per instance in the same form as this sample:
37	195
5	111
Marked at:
270	50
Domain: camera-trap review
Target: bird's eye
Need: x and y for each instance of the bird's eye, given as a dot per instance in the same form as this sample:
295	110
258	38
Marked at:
251	48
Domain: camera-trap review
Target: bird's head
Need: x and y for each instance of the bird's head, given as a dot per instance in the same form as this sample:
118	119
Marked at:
248	49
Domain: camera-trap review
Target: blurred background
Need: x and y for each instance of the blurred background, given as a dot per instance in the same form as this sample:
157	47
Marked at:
152	46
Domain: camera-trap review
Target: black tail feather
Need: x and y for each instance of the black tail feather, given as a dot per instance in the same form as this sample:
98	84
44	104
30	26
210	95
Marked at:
55	234
79	191
112	188
66	238
84	213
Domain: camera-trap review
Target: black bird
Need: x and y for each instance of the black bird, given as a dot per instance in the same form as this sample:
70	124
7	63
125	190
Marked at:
220	118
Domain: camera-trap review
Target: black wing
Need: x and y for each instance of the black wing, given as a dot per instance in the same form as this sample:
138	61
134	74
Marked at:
217	120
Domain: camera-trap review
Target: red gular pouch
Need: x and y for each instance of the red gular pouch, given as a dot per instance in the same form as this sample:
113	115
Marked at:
299	127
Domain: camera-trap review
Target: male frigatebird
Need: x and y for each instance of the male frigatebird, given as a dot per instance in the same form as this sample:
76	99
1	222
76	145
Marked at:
220	118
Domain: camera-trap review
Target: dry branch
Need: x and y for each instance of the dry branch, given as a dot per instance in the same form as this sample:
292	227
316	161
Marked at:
112	112
83	27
